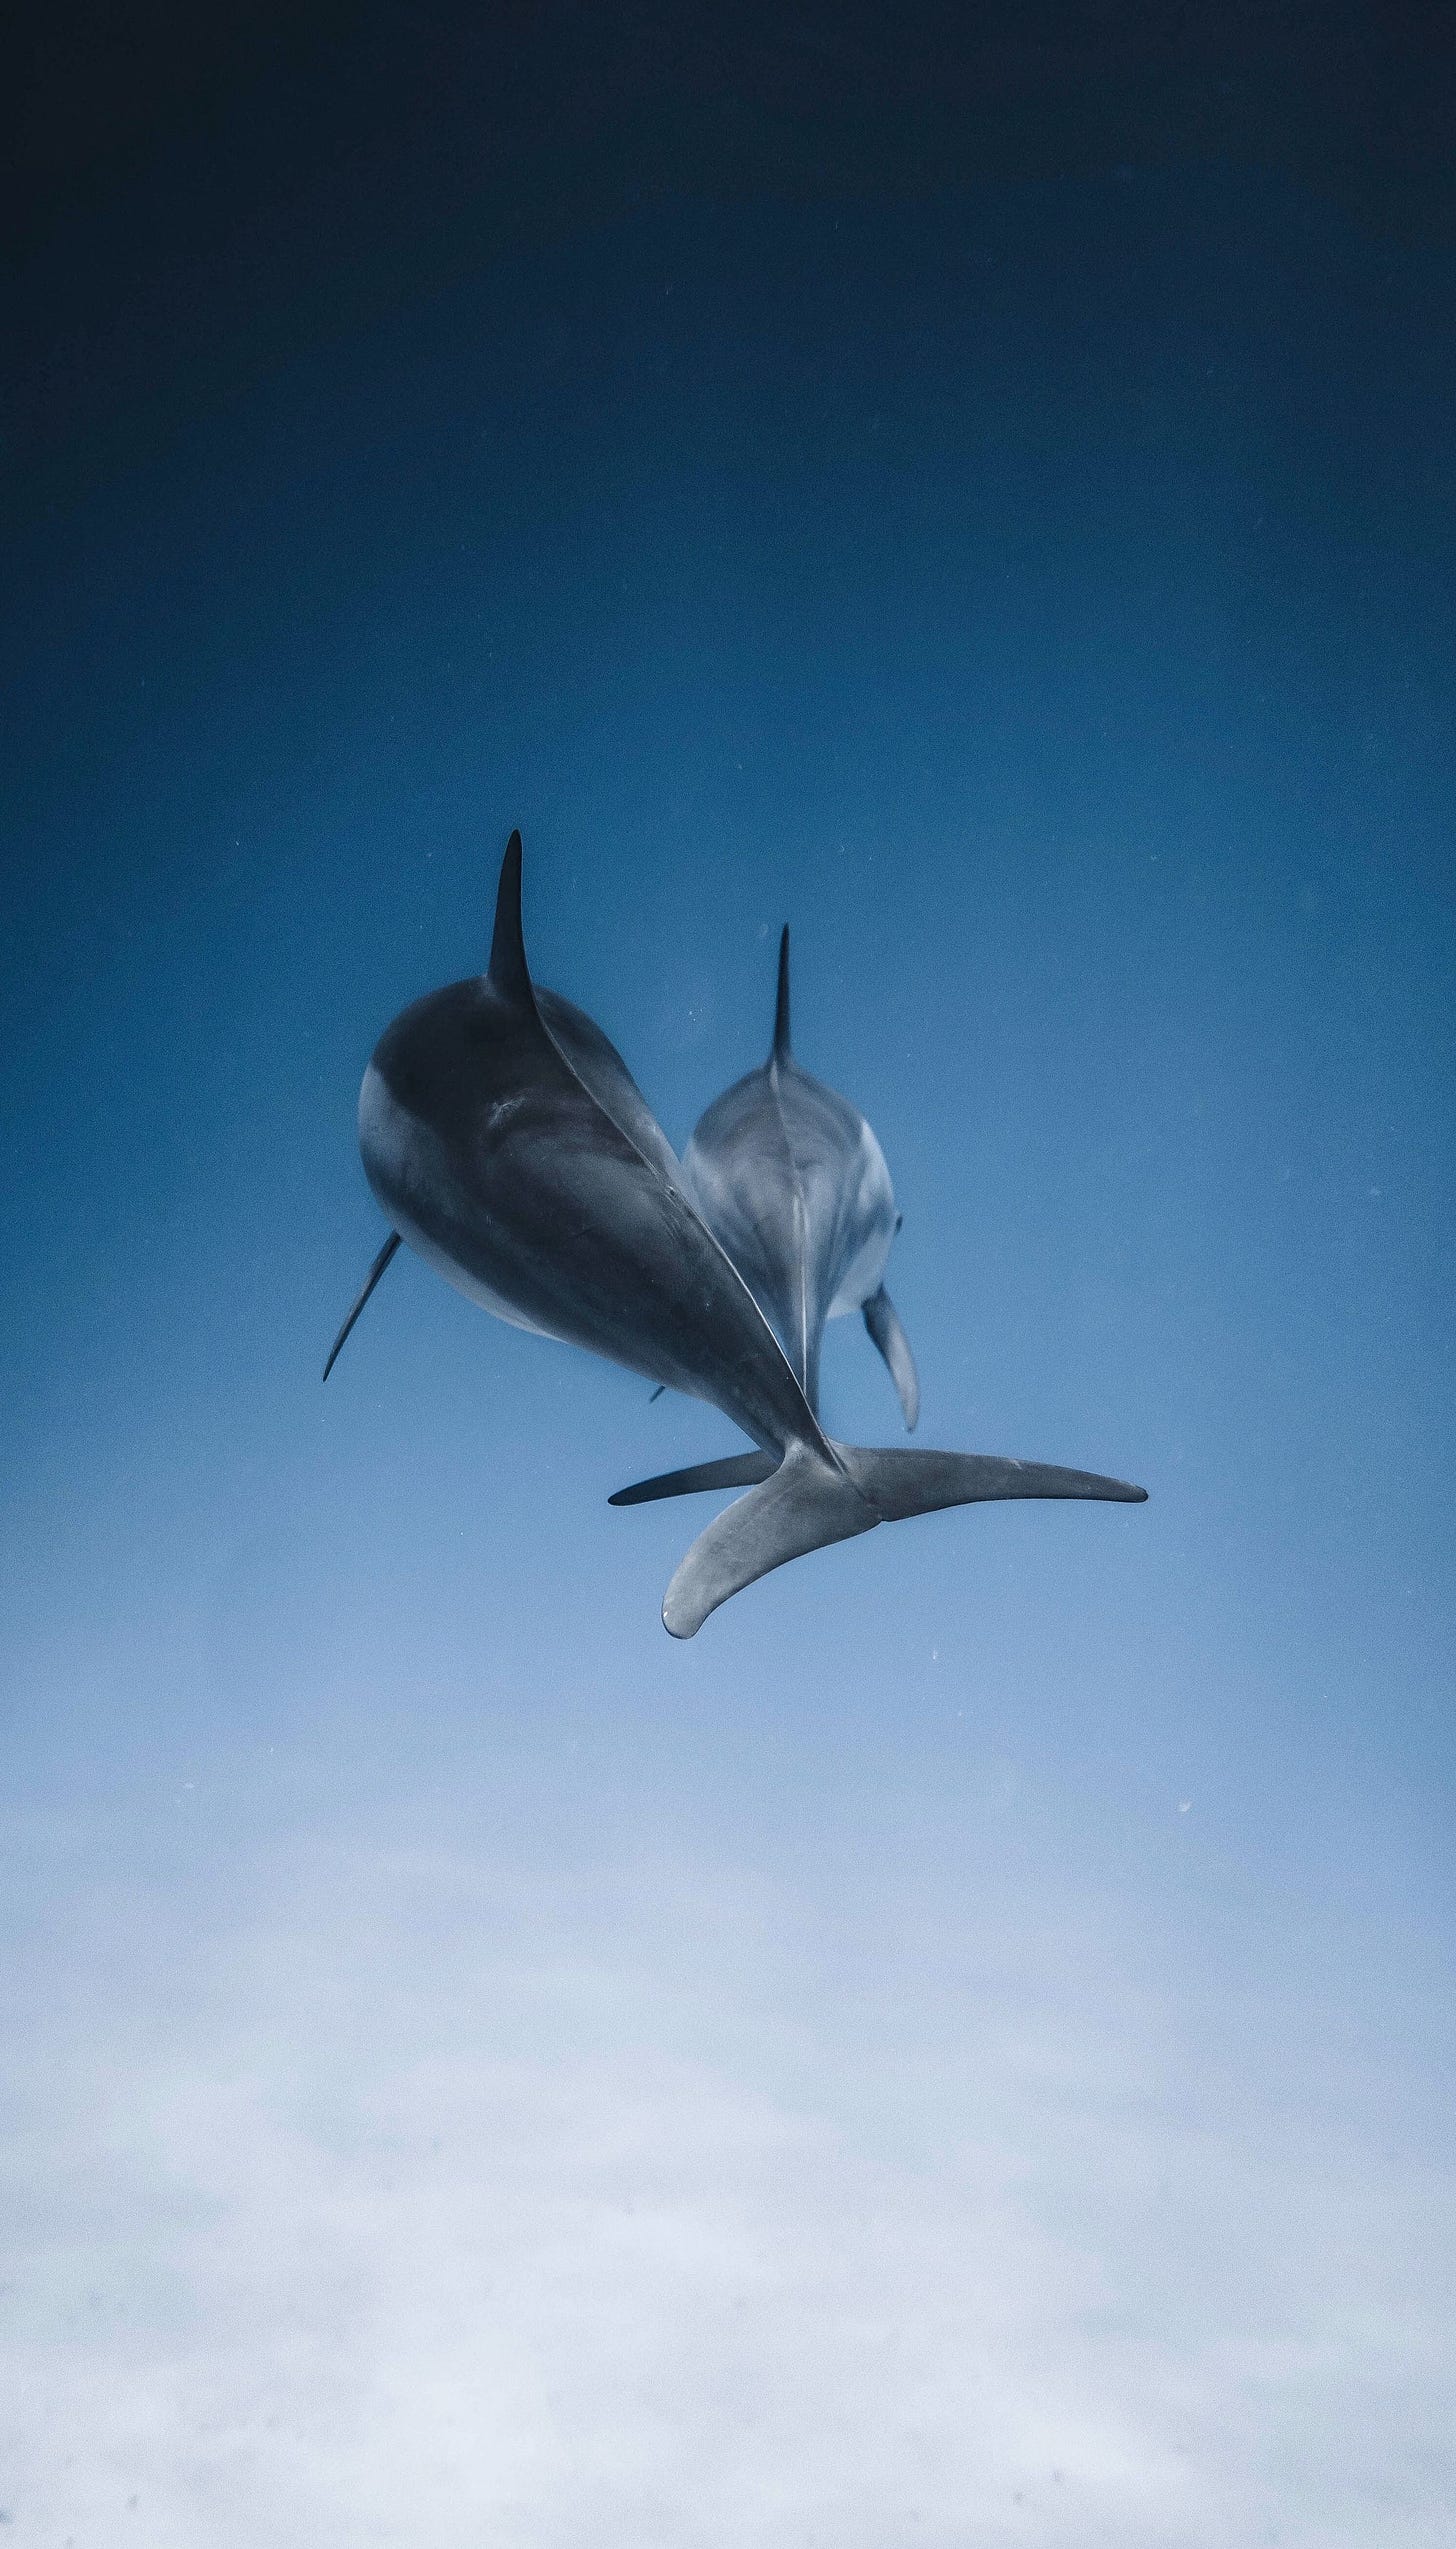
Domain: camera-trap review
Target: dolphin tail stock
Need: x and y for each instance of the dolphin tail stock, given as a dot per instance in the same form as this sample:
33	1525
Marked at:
810	1502
883	1322
370	1280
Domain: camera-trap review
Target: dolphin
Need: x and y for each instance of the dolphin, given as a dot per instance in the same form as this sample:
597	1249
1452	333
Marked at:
509	1145
789	1176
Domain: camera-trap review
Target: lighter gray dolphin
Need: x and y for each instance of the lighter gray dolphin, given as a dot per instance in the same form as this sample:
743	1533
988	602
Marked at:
508	1144
791	1179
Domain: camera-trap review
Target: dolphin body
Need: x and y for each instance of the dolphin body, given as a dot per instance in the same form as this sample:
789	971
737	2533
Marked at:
789	1176
509	1145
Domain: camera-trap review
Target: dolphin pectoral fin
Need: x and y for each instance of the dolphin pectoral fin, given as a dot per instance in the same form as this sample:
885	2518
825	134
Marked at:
743	1469
370	1280
813	1500
657	1393
882	1320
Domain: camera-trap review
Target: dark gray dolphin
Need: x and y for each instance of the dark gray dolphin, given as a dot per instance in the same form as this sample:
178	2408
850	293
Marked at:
508	1143
790	1177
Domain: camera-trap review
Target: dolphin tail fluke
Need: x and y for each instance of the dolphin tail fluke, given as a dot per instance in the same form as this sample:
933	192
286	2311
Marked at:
370	1280
883	1321
782	1049
806	1504
811	1502
902	1483
742	1469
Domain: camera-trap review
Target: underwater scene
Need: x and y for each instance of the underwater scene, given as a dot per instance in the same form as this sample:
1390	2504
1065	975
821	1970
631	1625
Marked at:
729	764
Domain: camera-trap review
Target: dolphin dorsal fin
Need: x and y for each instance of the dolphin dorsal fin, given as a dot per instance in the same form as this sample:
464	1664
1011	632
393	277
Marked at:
783	1051
509	972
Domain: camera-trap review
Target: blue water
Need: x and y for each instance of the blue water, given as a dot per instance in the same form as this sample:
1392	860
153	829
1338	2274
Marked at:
961	2051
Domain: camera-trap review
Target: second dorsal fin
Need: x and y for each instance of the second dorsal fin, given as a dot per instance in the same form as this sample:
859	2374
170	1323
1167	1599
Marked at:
782	1049
509	972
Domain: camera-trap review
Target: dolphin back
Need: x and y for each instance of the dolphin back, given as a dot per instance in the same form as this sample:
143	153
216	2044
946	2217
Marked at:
793	1184
600	1068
